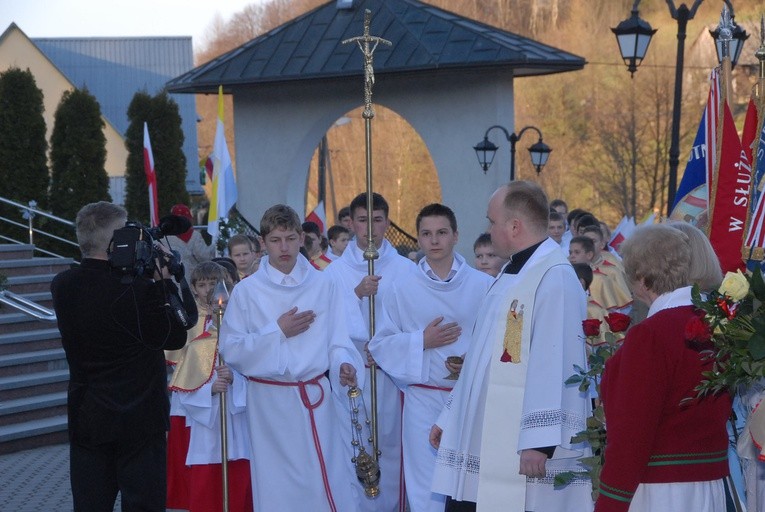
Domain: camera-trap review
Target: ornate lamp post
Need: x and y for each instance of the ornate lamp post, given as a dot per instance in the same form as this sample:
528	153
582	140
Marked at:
485	150
641	31
736	44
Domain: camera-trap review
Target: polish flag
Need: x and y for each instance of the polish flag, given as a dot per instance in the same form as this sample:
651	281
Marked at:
621	232
151	177
319	216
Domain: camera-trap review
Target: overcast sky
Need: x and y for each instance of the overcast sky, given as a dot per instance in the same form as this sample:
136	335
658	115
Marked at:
114	18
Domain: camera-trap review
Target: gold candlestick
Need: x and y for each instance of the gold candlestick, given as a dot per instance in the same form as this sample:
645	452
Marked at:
220	299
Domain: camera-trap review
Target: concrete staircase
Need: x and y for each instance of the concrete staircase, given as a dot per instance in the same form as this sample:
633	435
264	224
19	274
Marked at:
33	369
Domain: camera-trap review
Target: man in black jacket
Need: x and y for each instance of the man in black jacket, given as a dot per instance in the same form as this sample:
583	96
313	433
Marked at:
114	334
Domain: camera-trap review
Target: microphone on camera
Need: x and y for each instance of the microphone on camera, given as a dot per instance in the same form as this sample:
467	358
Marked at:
174	225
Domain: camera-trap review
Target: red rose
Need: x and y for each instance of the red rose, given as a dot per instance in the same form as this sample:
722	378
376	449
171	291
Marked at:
591	327
697	330
618	322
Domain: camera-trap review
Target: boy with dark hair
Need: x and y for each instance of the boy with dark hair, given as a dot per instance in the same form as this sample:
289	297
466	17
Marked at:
556	227
284	329
350	273
315	255
338	237
609	287
426	320
486	260
344	217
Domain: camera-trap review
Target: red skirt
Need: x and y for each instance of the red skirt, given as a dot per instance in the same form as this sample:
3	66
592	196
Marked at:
178	473
206	487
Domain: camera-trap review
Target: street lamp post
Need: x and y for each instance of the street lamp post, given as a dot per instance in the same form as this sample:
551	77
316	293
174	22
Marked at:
736	44
485	149
682	14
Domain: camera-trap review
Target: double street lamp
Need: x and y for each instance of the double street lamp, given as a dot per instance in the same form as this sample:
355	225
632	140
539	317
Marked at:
634	36
485	150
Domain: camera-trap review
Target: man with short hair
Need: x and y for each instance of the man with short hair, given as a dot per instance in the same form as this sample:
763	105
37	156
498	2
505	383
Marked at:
507	430
113	329
284	330
427	317
351	275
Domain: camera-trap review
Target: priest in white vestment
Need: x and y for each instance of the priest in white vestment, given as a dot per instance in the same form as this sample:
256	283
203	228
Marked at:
284	329
506	431
427	316
350	273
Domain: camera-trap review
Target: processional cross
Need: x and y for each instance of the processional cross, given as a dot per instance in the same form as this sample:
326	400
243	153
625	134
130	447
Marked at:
368	44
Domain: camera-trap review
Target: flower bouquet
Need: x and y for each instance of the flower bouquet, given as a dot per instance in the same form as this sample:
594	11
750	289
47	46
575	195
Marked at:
595	434
730	329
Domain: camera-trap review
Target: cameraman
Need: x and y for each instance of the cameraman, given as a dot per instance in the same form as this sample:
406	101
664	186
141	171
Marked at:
114	335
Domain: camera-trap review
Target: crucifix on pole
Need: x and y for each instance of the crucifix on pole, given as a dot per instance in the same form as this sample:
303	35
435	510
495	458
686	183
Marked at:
368	43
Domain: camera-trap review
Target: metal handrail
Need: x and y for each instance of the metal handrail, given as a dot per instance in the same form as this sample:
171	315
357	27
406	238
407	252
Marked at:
27	306
30	211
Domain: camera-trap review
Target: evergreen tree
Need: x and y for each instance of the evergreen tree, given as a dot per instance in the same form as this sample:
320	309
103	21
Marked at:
164	121
23	162
78	155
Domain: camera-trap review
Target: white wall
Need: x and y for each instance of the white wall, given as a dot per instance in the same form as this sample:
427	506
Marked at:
278	128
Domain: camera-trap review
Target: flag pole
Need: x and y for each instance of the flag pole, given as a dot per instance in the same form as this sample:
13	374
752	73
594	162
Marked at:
368	44
726	35
758	94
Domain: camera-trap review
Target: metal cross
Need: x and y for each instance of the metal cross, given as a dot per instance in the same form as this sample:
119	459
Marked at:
368	44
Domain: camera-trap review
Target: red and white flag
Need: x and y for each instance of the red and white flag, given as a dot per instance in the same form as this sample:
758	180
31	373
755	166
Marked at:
621	232
731	199
318	216
151	177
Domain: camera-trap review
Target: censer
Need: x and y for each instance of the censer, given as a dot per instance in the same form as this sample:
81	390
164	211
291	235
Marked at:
367	468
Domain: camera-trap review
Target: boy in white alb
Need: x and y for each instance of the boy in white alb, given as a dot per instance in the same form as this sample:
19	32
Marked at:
427	316
283	329
350	273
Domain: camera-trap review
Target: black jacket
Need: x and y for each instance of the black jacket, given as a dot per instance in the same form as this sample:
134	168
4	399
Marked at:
114	335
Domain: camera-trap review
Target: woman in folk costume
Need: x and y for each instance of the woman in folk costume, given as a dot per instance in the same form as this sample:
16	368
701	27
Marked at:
664	453
197	383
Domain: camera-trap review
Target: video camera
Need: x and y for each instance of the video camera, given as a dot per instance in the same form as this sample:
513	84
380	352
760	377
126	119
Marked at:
135	250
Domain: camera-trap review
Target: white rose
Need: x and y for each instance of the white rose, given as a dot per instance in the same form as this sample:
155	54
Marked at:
735	285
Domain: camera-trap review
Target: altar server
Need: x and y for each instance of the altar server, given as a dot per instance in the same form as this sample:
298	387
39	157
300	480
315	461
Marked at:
283	329
428	316
350	273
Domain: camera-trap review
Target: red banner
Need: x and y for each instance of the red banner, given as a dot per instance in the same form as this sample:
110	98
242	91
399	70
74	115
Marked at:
734	177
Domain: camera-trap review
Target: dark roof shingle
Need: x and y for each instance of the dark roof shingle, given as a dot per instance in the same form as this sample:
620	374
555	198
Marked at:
425	38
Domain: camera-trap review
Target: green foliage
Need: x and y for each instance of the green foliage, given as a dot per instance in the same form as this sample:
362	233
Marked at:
78	155
161	114
595	433
23	160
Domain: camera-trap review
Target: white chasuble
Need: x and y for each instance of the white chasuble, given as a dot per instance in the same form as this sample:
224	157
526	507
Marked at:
511	397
